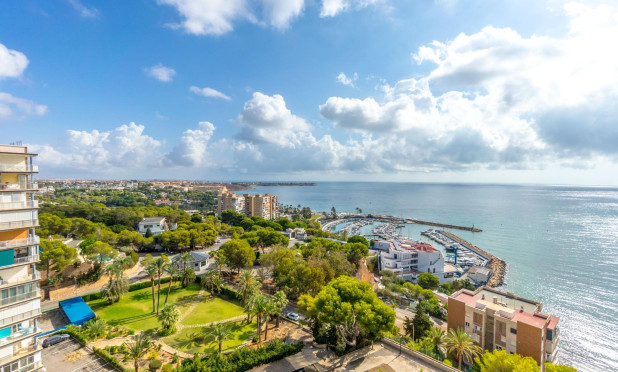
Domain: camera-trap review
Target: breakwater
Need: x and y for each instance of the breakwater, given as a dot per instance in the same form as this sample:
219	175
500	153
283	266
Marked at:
446	226
497	266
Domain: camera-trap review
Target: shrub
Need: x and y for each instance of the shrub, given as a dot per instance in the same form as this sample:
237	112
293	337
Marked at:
134	257
103	354
76	333
153	355
167	368
154	365
76	263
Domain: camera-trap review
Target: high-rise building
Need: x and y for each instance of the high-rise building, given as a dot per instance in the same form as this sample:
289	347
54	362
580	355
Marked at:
20	297
229	200
265	206
499	320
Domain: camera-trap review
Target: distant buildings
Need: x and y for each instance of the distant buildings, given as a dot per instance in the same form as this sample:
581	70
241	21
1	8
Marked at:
20	305
499	320
265	206
408	259
297	233
156	225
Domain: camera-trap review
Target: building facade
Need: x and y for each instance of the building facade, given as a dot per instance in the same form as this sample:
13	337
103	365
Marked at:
408	259
20	297
156	225
499	320
265	206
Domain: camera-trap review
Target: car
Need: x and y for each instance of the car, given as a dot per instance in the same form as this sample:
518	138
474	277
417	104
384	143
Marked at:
52	340
293	316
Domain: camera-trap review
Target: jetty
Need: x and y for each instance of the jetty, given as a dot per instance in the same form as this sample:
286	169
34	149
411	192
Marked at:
444	225
497	265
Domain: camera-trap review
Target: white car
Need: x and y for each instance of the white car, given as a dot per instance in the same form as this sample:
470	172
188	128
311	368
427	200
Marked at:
293	316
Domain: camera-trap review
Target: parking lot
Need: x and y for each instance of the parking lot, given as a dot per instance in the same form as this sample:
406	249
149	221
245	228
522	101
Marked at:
70	356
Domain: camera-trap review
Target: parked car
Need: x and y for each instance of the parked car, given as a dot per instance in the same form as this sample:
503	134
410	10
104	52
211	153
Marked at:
52	340
293	316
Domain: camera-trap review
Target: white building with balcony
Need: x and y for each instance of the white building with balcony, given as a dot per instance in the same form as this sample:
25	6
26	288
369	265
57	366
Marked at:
408	259
156	225
20	297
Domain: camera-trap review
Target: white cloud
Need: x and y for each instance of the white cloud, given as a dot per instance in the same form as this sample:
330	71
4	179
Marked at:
12	63
280	13
11	106
208	92
84	11
345	80
331	8
192	149
209	17
161	73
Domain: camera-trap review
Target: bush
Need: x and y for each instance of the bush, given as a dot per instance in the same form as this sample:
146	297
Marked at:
74	332
154	365
153	355
134	257
103	354
166	332
76	263
92	275
167	368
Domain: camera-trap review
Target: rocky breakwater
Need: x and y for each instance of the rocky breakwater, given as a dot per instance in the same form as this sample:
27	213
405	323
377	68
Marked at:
497	266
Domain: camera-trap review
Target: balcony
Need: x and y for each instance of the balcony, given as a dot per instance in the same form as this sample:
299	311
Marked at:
20	317
30	331
16	168
20	353
26	204
30	367
20	297
33	240
21	279
26	259
19	224
19	187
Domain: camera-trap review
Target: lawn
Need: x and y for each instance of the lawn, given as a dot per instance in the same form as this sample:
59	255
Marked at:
196	339
213	310
134	310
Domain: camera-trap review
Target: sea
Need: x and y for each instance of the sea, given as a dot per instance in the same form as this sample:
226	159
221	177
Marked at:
560	244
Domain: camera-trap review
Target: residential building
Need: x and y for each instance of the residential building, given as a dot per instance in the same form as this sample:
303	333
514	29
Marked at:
298	233
265	206
504	321
198	262
156	225
479	275
20	297
408	259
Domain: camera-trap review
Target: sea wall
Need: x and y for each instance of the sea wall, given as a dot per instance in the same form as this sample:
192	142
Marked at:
497	265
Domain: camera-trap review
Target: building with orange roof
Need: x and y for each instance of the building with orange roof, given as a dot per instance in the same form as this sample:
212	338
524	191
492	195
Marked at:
504	321
408	259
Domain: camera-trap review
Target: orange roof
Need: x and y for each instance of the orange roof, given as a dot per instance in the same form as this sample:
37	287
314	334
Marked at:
530	319
553	322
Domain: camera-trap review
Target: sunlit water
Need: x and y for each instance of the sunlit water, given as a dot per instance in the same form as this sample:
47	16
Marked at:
560	244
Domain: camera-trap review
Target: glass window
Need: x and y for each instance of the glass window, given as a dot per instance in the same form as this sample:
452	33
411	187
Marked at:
514	331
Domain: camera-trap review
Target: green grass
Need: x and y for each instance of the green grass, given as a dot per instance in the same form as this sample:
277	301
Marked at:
213	310
192	340
134	310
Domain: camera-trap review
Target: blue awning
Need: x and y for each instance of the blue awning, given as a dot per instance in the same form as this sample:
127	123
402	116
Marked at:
76	310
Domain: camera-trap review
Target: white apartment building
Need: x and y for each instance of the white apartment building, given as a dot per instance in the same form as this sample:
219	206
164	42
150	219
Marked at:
20	297
156	225
229	200
408	259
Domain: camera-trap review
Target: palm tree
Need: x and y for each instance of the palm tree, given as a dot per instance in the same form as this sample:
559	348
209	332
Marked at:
220	262
436	338
270	311
248	308
169	316
281	301
184	258
247	285
461	344
187	275
96	328
118	284
138	348
220	332
160	264
260	305
173	271
151	271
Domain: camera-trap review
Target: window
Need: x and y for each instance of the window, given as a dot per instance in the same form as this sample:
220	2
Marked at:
514	331
550	335
467	324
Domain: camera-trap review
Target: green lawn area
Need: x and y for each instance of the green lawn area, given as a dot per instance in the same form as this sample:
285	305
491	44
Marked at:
192	340
134	310
213	310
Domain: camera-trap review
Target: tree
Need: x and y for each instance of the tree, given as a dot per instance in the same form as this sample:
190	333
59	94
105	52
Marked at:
428	281
238	254
358	239
435	337
247	285
160	264
260	306
172	270
169	316
356	251
351	307
502	361
151	270
550	367
220	332
461	344
117	284
270	312
138	348
55	255
96	328
280	301
186	276
333	212
185	258
196	217
211	281
422	323
101	252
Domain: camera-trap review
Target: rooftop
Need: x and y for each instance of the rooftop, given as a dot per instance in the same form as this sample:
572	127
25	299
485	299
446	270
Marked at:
479	270
17	150
413	246
152	219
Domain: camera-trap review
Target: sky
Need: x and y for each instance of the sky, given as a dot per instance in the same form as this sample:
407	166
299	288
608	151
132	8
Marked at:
314	90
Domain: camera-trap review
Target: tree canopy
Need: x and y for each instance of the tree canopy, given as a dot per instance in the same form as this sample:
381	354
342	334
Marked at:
238	254
428	281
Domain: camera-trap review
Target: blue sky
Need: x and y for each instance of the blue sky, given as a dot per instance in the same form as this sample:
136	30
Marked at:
434	90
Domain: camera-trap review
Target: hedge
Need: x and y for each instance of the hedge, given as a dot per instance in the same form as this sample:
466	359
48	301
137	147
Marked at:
132	287
76	335
103	354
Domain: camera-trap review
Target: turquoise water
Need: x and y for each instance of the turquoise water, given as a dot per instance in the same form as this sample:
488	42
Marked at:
560	244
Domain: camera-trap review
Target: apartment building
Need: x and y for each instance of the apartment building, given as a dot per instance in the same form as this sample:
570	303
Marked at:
20	298
504	321
265	206
408	259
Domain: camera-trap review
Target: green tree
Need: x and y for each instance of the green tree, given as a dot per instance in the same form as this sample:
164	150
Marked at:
238	254
502	361
101	252
151	270
96	327
435	337
259	306
280	301
169	316
56	255
196	217
160	264
356	251
461	344
422	323
550	367
187	276
220	333
428	281
247	285
358	239
172	271
137	349
117	284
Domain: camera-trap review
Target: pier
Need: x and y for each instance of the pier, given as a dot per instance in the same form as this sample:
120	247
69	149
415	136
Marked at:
446	226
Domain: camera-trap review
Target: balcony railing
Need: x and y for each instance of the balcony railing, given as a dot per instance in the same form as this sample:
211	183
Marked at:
20	334
19	224
19	205
20	317
25	259
20	279
20	242
20	297
21	352
30	367
16	186
19	168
